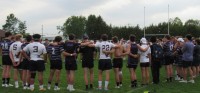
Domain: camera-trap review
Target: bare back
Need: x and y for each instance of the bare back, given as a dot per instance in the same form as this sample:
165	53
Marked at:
118	51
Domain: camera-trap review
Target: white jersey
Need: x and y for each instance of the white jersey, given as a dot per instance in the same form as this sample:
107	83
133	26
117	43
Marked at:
144	55
15	49
104	45
36	50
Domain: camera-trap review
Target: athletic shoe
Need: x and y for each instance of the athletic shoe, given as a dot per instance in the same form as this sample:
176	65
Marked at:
32	89
56	88
16	85
106	89
183	81
8	85
99	88
71	89
3	85
42	89
117	86
49	87
24	87
191	81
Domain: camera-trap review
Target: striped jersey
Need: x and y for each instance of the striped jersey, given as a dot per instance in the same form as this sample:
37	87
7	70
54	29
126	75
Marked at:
5	46
55	51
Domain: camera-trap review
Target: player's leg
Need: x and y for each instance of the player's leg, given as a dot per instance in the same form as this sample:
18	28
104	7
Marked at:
7	75
171	72
91	77
85	70
147	75
57	79
16	77
52	71
107	79
120	77
71	80
116	70
40	79
100	79
143	75
4	75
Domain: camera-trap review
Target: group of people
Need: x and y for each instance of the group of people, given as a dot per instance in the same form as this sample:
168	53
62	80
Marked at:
28	57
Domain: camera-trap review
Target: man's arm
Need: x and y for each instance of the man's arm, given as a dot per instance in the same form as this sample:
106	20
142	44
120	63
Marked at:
143	49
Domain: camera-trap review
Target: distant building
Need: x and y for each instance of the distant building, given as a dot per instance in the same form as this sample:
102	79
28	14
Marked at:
2	34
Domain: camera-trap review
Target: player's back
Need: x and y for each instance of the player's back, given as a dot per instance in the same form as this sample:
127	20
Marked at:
15	48
104	46
5	46
36	50
55	51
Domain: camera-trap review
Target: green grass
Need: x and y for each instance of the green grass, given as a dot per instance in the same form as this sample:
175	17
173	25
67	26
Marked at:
173	87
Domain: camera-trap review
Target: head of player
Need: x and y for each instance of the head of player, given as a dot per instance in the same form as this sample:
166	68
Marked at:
167	38
8	34
132	38
58	39
115	39
104	37
188	37
71	37
36	37
28	38
18	37
85	38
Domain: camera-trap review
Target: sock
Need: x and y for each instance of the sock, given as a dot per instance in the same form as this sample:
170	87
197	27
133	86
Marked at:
132	83
100	84
16	83
56	84
41	86
120	82
167	79
135	83
170	79
106	84
91	86
86	86
72	86
49	83
117	83
3	80
8	80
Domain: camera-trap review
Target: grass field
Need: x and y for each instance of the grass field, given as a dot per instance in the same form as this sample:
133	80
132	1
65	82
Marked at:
163	87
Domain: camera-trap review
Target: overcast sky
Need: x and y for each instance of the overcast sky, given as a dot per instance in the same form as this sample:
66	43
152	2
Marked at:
52	13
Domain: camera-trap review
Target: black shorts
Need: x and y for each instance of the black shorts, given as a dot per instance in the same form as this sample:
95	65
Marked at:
145	64
169	60
37	65
187	64
194	63
19	67
56	64
87	64
117	63
132	66
70	64
6	60
105	64
25	64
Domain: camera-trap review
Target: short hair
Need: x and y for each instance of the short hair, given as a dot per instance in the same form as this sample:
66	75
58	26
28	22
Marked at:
85	37
71	36
36	37
132	38
198	41
153	39
167	37
104	37
18	36
189	37
58	39
28	38
7	34
115	39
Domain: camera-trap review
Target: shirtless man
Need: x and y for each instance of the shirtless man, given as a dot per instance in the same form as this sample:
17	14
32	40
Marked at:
117	61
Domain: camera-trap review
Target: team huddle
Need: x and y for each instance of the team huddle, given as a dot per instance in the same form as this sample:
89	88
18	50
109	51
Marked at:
29	57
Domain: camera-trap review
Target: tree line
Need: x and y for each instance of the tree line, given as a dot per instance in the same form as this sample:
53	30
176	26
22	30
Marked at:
94	26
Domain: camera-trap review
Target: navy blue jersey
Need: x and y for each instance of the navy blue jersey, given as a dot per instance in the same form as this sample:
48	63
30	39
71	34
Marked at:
133	50
5	46
179	54
87	53
71	47
55	51
168	49
24	45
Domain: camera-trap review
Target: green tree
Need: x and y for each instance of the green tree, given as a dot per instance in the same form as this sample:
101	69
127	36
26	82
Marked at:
74	24
192	27
96	26
14	25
